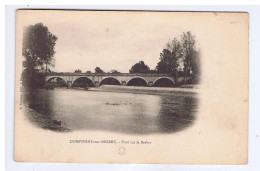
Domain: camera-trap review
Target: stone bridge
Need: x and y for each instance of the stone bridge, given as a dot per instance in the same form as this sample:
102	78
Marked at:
97	79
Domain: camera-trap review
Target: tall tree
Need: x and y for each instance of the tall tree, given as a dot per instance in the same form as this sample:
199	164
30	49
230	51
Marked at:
195	63
38	48
189	51
139	67
178	54
38	45
169	58
163	65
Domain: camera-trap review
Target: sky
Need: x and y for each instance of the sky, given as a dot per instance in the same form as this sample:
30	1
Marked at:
109	40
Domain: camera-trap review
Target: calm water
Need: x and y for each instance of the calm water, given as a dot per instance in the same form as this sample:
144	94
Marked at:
65	110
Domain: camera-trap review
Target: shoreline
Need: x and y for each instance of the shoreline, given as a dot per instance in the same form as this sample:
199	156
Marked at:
141	90
145	90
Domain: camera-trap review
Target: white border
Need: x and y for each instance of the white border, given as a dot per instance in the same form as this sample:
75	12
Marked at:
254	86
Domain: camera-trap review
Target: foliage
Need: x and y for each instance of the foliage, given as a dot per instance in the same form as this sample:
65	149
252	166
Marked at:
189	52
153	71
139	67
78	71
180	57
113	71
98	70
38	50
195	63
38	46
169	58
165	63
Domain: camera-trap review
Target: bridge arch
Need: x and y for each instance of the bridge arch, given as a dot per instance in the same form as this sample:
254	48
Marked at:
50	78
60	81
109	81
137	81
164	82
85	82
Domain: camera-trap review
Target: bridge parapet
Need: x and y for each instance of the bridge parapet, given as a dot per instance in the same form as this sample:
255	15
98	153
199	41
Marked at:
108	74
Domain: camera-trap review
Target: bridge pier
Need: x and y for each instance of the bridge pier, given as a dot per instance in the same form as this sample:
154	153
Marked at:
69	84
123	83
96	83
150	83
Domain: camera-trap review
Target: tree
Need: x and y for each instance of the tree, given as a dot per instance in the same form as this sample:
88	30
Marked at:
78	71
169	58
89	72
189	51
98	70
38	45
139	67
163	65
38	49
176	54
113	71
153	71
180	57
195	63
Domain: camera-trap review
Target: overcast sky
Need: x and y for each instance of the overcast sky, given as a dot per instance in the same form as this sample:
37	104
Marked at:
109	40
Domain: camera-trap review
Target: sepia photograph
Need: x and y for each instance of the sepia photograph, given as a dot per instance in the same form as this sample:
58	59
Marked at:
131	87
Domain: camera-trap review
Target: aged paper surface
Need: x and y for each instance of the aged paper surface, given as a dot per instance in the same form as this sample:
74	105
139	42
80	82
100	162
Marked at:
218	132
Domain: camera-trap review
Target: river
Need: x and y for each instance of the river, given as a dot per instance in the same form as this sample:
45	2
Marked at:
65	110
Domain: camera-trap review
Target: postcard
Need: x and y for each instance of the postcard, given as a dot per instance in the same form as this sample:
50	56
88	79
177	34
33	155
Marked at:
151	87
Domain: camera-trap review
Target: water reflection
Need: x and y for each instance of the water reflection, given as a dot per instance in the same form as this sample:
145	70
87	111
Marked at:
70	110
176	113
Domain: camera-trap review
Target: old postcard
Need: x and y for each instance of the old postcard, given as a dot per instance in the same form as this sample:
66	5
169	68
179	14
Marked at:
131	87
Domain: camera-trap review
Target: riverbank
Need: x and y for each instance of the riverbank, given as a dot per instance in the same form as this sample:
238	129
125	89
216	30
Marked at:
146	90
43	119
